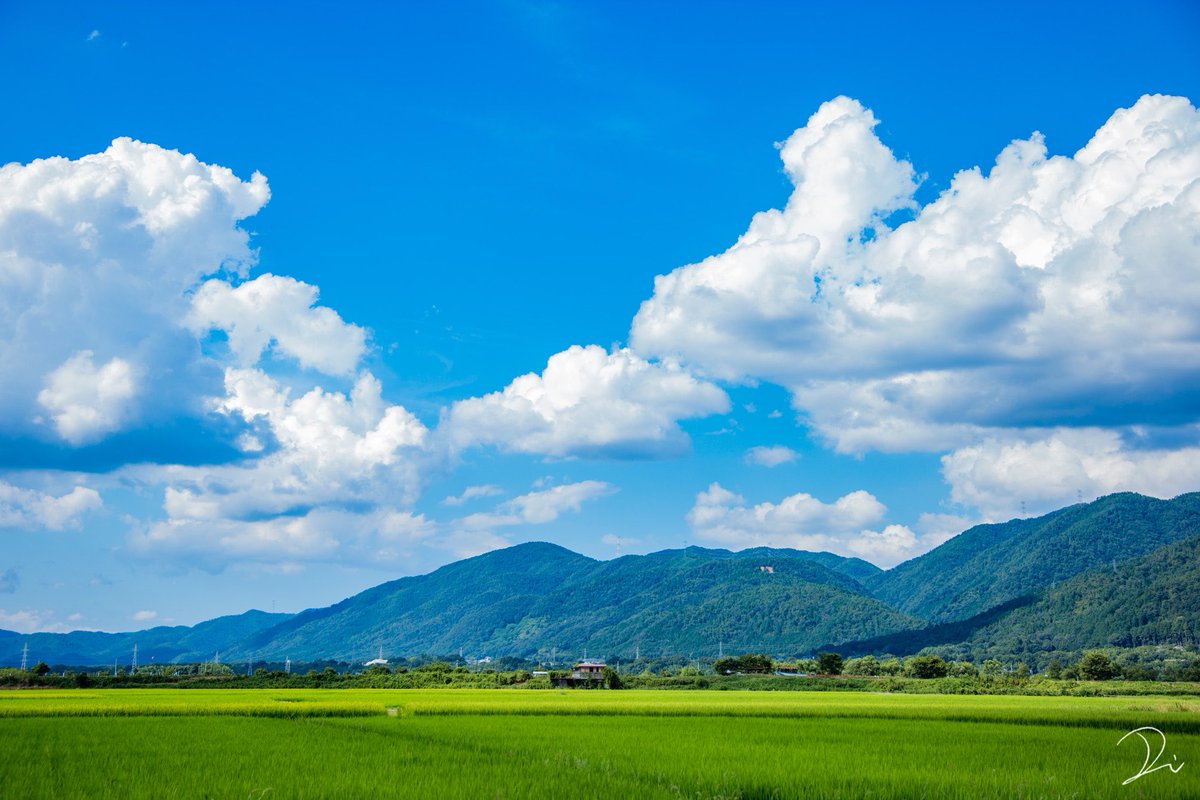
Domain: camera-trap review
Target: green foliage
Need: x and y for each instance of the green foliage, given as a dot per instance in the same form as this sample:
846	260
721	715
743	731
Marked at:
991	564
40	668
866	665
829	663
1096	666
926	667
747	663
963	669
525	600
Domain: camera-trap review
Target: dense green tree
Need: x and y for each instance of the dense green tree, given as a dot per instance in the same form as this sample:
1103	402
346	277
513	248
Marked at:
40	668
891	666
829	663
926	667
866	665
756	662
1096	666
1054	669
726	665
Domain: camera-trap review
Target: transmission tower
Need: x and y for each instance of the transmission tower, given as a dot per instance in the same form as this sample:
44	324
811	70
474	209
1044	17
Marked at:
25	657
133	669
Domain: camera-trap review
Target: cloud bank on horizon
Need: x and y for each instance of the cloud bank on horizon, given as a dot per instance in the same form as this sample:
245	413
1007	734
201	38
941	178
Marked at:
1038	326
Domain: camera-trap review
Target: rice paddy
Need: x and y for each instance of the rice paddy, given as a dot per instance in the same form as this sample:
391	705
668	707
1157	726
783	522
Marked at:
158	743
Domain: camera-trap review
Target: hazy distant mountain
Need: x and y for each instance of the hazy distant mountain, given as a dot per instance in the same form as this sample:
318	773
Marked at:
157	645
1122	570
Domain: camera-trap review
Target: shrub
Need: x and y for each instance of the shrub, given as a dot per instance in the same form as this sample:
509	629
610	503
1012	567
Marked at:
1095	666
926	667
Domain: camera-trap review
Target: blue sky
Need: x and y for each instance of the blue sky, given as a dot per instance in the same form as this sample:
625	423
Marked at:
224	392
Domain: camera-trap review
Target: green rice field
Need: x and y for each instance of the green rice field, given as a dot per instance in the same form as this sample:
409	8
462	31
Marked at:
168	743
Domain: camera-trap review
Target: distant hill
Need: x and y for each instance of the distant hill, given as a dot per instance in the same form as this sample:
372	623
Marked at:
1122	570
992	564
460	605
540	597
161	645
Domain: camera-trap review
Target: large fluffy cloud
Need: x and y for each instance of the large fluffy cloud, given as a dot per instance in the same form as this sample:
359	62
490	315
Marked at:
1054	291
331	466
587	402
1045	313
852	525
96	258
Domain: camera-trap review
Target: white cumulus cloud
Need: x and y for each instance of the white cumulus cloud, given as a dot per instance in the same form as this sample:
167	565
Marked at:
587	402
849	526
97	255
29	509
1048	470
86	401
1052	291
333	465
279	309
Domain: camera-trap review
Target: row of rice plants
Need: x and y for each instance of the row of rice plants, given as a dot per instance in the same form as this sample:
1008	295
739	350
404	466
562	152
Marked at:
1174	714
572	756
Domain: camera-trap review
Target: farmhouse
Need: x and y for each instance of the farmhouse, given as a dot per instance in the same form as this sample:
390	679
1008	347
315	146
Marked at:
588	671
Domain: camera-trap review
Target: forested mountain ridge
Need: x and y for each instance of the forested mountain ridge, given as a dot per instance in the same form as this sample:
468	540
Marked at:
541	598
992	564
1150	600
1123	570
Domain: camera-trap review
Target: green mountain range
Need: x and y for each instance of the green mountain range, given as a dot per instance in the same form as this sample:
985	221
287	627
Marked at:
1123	570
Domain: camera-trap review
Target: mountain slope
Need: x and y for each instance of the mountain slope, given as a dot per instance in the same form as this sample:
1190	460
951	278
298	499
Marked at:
1150	600
162	645
457	605
679	601
540	598
992	564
